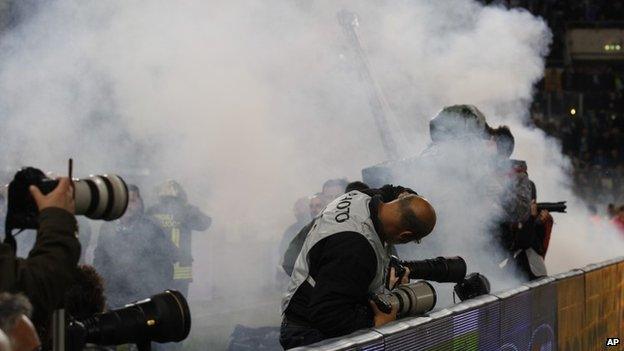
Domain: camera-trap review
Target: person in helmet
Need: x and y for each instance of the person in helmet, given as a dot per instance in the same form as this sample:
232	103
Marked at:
179	219
458	122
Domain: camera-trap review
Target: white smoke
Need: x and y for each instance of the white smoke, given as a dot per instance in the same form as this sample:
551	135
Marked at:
253	104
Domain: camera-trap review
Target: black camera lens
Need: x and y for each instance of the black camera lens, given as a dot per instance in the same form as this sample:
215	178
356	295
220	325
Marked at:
440	269
164	317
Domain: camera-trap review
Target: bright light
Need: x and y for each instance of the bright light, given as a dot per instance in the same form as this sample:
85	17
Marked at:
573	111
612	47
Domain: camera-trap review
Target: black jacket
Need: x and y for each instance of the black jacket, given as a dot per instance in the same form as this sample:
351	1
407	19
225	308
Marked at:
343	266
49	268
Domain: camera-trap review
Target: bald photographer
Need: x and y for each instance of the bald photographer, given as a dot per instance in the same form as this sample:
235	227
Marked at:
344	261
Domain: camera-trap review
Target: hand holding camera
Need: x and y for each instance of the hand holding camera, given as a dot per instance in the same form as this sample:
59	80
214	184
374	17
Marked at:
61	197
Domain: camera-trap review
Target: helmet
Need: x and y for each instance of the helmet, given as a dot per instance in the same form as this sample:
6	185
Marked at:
171	188
456	122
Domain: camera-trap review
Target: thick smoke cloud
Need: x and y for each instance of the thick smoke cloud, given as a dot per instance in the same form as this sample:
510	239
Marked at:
253	104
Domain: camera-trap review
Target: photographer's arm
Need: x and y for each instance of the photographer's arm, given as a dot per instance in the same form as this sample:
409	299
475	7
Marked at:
49	269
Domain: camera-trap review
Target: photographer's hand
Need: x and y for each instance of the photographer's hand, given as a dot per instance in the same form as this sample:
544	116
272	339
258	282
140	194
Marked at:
61	197
394	280
380	318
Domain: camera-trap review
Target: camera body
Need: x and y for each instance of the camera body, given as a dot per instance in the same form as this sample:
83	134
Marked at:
21	209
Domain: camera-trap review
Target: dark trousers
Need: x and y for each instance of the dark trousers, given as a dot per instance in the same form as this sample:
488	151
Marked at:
294	335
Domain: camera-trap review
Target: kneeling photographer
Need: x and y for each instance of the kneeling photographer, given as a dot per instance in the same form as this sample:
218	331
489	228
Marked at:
48	270
344	261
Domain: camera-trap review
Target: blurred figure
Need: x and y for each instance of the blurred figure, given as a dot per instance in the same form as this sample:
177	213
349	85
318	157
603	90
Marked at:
133	255
333	188
301	210
179	219
15	312
316	204
594	216
524	232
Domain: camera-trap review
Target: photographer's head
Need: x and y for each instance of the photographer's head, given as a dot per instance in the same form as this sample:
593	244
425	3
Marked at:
15	311
86	297
409	218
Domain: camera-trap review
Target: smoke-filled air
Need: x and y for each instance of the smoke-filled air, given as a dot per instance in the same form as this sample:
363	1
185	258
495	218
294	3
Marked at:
251	105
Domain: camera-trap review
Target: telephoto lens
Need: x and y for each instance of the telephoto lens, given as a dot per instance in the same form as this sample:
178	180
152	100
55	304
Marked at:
440	269
164	317
101	196
97	197
412	299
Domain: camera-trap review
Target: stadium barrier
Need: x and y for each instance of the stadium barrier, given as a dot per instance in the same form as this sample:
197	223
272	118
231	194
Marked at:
579	310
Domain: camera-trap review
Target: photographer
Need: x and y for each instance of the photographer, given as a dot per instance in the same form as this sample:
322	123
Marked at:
49	268
524	232
343	261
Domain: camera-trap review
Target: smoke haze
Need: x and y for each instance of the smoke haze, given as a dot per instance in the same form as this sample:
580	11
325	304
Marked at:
251	105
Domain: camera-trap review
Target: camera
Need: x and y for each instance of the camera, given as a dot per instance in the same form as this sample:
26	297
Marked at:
97	197
164	317
440	269
410	299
